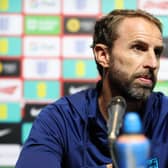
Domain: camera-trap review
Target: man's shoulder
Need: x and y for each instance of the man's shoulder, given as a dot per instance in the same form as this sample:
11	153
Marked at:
158	101
160	97
74	103
77	99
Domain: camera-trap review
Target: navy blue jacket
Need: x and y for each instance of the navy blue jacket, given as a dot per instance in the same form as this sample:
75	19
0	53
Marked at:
72	133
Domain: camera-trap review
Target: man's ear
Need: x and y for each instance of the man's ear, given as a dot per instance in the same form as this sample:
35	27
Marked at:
101	55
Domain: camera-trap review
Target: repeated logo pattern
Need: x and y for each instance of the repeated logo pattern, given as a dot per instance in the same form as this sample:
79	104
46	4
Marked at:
45	53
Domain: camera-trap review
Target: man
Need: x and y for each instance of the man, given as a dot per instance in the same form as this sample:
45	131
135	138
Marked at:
72	132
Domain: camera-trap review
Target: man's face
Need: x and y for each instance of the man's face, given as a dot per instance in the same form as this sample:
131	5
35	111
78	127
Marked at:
135	58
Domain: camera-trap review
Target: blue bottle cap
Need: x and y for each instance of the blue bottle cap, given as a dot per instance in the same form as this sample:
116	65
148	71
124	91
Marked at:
132	123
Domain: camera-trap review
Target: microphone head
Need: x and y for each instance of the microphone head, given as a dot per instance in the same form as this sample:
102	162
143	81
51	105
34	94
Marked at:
116	110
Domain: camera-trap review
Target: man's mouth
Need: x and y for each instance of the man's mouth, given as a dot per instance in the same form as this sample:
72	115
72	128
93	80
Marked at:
145	80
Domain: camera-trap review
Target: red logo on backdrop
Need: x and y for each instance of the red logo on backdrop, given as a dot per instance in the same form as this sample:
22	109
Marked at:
8	90
152	4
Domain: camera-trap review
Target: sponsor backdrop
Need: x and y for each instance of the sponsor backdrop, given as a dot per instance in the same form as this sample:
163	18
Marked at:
45	53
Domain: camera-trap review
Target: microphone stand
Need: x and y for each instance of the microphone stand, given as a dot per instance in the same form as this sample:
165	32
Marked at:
116	110
112	152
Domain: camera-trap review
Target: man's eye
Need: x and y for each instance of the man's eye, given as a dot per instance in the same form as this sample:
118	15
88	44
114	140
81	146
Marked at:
158	52
139	47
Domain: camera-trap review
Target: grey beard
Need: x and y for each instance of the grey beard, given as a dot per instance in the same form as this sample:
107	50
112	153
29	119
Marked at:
138	93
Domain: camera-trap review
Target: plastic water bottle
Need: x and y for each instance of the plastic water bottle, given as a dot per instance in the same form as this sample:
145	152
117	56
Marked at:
132	147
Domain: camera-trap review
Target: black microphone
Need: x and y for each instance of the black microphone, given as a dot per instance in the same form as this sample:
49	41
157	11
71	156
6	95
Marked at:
116	110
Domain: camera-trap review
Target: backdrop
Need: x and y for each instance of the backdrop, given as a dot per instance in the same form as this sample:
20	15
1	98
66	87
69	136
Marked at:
45	53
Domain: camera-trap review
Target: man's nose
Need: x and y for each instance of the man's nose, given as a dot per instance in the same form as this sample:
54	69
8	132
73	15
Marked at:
151	61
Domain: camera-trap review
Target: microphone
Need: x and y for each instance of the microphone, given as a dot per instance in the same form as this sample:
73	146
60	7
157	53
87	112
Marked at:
116	110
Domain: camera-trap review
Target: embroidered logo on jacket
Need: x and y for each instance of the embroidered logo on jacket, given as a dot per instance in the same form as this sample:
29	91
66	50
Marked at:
153	163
